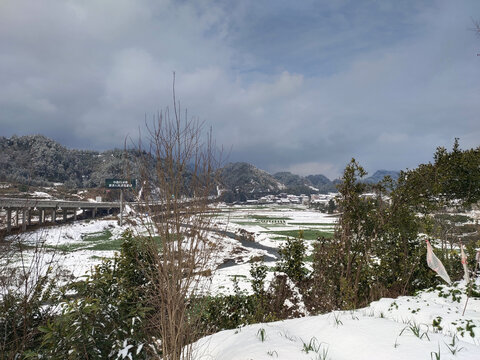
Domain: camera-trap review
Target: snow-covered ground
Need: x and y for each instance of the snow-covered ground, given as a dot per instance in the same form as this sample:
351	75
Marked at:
427	326
77	247
403	328
68	245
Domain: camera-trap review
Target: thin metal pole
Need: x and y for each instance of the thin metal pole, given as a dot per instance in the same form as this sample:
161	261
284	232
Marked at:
466	302
24	219
9	220
121	207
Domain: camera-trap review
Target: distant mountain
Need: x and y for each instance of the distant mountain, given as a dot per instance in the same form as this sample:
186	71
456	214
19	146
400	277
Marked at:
38	160
318	180
291	180
380	174
310	184
295	184
241	181
323	184
241	177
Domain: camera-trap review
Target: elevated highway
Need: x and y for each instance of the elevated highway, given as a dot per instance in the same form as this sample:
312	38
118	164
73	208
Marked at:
23	212
43	210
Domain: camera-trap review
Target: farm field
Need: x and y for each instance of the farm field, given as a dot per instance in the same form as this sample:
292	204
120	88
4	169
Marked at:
423	326
240	234
400	328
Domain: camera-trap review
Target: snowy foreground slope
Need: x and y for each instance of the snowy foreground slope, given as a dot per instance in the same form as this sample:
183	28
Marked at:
426	326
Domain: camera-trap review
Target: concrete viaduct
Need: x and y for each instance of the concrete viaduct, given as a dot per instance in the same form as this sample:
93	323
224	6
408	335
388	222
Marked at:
42	208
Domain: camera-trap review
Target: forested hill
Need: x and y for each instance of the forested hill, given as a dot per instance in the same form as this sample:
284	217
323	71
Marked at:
380	174
306	185
37	160
241	177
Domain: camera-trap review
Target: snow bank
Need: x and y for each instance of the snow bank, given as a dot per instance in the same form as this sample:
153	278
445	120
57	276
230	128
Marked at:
388	329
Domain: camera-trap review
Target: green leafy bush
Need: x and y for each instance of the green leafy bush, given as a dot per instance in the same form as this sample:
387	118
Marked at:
107	310
292	256
222	312
21	315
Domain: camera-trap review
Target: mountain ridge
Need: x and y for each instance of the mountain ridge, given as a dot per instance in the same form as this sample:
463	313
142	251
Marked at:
38	160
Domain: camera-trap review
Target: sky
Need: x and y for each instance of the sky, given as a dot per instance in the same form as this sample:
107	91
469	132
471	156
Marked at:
300	86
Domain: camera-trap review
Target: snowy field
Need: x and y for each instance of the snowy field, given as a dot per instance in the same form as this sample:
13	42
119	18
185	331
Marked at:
239	233
268	227
427	326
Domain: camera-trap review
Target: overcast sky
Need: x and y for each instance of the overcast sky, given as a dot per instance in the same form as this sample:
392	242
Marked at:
301	86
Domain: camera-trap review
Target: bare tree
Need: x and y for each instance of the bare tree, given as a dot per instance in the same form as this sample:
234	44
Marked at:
476	26
175	194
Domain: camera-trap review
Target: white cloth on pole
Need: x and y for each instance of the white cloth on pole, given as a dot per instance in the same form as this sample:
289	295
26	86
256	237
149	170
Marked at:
435	264
464	263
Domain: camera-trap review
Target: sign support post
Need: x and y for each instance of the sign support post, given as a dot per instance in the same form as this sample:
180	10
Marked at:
121	184
121	207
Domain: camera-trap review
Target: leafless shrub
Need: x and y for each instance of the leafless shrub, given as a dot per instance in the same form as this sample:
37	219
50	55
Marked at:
476	26
26	285
175	194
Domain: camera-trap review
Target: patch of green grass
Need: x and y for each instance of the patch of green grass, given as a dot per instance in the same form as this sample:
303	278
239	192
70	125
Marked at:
22	246
66	247
210	215
98	236
258	217
107	245
98	241
265	225
262	334
308	234
311	224
95	257
271	227
266	217
116	244
245	208
245	222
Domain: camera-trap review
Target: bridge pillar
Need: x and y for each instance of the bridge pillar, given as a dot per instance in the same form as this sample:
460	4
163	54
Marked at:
75	214
41	216
24	219
94	212
9	220
64	215
16	217
54	216
29	219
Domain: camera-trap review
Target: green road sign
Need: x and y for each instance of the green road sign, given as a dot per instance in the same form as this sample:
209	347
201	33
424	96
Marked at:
120	184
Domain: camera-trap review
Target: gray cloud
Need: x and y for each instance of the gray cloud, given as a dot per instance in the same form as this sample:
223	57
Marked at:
287	87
